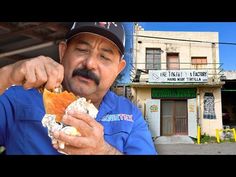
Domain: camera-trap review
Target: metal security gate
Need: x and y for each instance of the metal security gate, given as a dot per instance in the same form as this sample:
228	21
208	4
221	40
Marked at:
181	121
174	119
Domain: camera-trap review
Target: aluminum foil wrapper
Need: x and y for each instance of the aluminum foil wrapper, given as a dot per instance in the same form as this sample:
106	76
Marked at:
83	106
49	120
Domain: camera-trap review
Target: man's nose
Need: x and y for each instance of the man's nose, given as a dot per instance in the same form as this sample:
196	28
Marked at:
91	61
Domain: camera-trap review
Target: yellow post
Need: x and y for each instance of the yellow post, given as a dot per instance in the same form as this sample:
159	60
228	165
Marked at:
217	136
198	134
234	134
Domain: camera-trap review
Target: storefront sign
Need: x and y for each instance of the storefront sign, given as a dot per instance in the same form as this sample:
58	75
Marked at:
178	76
173	93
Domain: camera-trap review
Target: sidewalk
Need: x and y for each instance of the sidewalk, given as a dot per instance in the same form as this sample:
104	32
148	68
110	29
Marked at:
197	149
175	139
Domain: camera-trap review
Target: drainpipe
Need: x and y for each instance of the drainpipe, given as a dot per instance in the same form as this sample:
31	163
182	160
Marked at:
214	61
198	117
198	107
135	46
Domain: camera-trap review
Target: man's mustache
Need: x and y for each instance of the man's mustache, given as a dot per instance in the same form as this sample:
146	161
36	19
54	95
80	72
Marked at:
87	74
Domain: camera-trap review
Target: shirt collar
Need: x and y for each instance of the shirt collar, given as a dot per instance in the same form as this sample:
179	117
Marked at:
108	103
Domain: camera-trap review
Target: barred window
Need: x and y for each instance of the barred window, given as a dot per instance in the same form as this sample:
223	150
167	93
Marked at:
153	58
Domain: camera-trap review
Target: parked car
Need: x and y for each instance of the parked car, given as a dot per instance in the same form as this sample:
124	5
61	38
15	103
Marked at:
225	116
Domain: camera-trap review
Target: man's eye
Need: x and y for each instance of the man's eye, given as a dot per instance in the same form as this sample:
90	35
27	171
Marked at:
82	50
105	58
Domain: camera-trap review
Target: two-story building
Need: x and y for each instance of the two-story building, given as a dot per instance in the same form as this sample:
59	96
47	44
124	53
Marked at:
177	84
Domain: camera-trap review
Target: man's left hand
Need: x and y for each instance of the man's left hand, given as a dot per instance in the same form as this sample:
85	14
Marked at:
91	140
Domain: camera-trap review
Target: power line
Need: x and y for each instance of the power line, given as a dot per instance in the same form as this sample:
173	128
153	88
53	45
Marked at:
186	40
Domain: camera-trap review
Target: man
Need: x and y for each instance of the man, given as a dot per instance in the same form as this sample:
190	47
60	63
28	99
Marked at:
91	58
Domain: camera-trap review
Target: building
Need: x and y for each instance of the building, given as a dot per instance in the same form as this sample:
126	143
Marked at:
177	83
228	95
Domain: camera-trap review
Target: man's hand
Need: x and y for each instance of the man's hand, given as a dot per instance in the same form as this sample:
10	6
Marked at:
91	140
33	73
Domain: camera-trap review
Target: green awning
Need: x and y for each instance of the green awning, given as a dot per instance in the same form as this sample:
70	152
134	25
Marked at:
173	92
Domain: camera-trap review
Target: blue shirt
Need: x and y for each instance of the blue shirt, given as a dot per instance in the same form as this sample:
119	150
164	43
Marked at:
21	130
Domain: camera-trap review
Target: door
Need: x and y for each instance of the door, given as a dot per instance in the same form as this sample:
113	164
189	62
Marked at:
153	116
181	121
167	120
174	118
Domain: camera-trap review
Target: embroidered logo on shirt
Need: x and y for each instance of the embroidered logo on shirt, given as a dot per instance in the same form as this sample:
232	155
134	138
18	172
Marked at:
117	117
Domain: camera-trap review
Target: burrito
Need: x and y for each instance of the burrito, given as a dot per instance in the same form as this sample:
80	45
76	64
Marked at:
58	103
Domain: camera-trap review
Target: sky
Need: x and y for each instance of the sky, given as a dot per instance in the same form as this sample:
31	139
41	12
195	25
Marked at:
226	30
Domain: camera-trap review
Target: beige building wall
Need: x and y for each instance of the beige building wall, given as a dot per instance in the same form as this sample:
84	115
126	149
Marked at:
185	49
140	96
209	126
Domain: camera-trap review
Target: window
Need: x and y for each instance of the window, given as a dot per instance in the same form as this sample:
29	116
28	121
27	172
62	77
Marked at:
173	61
199	60
153	58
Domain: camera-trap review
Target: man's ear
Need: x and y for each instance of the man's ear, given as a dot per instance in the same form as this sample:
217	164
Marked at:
62	49
122	65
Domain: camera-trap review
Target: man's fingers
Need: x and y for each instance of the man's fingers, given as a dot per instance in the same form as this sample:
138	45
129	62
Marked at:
55	75
71	150
77	141
30	78
60	76
96	128
83	116
36	72
80	125
52	78
41	76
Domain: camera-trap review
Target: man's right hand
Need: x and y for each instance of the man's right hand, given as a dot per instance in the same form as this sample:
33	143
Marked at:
32	73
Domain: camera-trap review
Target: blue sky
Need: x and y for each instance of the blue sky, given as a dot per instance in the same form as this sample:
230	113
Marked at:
227	33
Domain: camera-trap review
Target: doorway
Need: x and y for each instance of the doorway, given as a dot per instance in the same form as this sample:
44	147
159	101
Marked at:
174	119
